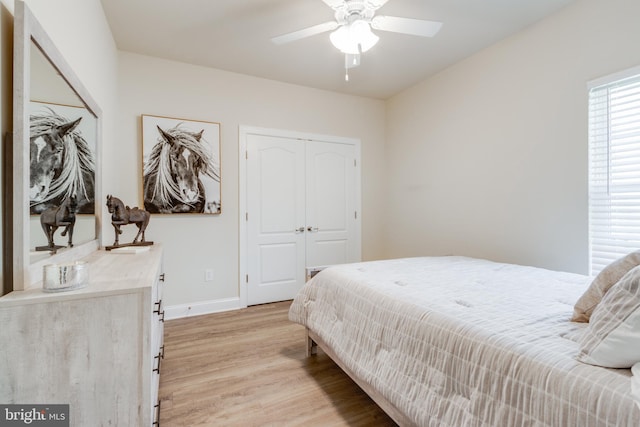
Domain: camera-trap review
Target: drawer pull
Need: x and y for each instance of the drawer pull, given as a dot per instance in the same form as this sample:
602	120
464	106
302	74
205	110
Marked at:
161	278
157	310
157	368
156	421
162	352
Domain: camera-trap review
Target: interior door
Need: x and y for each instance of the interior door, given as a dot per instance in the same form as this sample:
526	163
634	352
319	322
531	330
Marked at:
301	212
275	218
330	203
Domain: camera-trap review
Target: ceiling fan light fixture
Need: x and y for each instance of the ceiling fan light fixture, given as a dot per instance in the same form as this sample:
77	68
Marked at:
341	40
354	38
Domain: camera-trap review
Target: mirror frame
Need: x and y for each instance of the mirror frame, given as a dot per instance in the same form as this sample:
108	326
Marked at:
29	32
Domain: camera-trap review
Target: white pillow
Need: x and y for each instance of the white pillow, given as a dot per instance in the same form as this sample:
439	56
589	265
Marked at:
612	338
608	277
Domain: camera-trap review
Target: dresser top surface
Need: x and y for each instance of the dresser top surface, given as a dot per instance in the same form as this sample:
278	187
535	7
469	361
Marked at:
109	273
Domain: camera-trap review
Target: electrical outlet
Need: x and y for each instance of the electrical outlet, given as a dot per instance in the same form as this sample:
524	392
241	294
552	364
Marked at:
208	275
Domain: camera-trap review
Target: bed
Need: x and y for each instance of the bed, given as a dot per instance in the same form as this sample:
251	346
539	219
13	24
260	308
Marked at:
457	341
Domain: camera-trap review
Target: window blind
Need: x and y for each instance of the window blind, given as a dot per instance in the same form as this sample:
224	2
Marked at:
614	170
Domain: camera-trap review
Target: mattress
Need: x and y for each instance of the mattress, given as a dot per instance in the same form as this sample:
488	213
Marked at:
456	341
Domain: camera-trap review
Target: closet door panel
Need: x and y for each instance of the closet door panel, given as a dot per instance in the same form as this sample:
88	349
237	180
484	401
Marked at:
330	203
275	218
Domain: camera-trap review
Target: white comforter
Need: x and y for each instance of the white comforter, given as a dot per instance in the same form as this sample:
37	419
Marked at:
453	341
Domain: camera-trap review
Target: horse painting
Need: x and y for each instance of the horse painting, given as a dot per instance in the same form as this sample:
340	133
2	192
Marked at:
61	163
173	172
123	215
59	216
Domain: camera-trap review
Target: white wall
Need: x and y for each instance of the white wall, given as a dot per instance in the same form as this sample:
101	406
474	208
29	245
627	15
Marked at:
194	243
489	157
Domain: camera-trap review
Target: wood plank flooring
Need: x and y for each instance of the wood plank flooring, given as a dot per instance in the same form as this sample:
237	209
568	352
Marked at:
248	368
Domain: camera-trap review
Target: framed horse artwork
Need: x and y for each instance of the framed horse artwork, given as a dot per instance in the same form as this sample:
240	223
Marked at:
181	166
62	157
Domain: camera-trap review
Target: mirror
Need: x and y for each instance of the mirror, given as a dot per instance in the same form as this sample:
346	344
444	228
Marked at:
56	153
54	103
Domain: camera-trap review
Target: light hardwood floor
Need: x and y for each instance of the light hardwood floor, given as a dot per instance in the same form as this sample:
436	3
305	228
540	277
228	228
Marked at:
248	368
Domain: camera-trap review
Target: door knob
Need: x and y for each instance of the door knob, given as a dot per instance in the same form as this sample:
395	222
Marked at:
312	229
299	230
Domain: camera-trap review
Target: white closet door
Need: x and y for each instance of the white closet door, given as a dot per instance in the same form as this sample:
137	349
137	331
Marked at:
301	201
276	218
330	203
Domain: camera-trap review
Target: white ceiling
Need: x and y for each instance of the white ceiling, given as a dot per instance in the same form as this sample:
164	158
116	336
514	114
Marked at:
234	35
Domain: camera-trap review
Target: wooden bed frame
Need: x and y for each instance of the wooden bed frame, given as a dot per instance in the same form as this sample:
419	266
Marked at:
313	342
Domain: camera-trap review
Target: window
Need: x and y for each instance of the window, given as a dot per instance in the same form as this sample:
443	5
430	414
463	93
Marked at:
614	168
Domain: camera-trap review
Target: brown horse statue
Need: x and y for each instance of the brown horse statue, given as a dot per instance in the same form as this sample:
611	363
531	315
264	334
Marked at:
58	216
123	215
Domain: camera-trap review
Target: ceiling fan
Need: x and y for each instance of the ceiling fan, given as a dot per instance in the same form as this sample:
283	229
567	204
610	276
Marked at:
352	33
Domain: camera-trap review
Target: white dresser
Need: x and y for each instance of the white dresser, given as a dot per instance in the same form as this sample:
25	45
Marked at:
98	349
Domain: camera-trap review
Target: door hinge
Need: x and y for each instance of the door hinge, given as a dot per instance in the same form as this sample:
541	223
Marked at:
246	154
355	215
246	216
354	163
246	278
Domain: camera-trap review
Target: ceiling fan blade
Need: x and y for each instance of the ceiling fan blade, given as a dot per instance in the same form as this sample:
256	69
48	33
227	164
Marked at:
377	4
416	27
305	32
370	4
334	3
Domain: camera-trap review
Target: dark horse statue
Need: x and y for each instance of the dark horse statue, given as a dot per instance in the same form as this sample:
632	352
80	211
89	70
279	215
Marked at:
58	216
123	215
172	172
61	163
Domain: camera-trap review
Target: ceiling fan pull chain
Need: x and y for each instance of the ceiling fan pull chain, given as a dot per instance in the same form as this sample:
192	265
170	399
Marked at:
351	60
346	66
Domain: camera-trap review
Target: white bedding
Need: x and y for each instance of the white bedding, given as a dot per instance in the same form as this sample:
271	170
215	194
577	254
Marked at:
454	341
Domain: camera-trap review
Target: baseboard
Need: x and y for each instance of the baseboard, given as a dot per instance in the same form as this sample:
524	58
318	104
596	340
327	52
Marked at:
199	308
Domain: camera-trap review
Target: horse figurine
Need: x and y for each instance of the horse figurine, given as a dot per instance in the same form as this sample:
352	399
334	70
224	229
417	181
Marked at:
172	181
58	216
123	215
61	163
